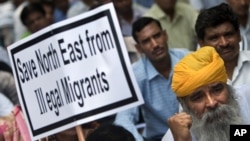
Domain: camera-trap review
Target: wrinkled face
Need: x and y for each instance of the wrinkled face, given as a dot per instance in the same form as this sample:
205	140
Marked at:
225	40
152	42
207	98
213	109
36	21
240	7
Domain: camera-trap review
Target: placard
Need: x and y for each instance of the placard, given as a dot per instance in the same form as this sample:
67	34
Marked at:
74	72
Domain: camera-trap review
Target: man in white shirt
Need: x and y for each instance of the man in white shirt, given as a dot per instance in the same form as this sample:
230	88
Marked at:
219	27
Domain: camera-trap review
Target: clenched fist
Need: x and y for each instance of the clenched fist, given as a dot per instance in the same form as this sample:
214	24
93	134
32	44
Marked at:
180	125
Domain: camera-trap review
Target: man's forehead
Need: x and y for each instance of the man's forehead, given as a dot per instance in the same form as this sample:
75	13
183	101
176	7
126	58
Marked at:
149	30
220	28
151	25
207	86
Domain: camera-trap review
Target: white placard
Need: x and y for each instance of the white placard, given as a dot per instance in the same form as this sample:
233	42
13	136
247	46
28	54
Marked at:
74	72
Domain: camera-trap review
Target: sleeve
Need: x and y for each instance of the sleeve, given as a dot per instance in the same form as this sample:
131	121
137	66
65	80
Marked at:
5	105
168	136
243	98
128	120
8	87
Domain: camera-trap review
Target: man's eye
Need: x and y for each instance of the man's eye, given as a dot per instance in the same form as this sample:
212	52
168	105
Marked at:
146	41
157	35
214	38
196	97
218	88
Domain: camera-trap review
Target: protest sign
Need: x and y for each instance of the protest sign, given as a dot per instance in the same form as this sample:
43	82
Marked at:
74	72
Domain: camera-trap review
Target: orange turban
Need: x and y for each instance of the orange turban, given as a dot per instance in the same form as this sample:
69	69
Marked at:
197	69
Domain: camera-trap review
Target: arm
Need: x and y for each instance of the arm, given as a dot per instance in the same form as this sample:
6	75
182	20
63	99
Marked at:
128	119
6	105
180	125
8	87
243	98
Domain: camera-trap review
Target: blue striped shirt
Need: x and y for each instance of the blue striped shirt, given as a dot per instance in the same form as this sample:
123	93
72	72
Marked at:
160	101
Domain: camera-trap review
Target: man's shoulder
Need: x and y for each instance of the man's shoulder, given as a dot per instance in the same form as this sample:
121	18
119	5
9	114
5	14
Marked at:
141	69
140	65
179	52
185	7
155	11
244	56
243	97
245	52
245	88
140	8
187	12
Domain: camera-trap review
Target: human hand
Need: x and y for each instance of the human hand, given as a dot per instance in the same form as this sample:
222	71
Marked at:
180	125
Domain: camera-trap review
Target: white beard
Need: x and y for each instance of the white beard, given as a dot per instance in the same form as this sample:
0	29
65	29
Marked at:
215	124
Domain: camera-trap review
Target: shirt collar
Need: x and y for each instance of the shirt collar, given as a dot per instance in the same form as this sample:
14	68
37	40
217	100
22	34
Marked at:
152	72
243	57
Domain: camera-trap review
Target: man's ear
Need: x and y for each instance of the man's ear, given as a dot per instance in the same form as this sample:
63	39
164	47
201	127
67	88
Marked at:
201	43
239	36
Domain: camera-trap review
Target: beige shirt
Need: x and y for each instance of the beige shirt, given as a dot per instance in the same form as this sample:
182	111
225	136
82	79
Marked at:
180	30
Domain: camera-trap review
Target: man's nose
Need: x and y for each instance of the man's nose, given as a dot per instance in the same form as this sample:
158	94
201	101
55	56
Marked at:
211	101
223	41
153	42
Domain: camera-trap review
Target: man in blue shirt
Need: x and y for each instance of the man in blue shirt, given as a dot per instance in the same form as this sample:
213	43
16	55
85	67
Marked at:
153	73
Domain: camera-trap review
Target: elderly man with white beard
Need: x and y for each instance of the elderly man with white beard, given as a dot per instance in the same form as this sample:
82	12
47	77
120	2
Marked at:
209	105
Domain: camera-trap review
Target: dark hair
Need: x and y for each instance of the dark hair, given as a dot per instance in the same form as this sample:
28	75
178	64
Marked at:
110	132
30	8
213	17
5	67
139	24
